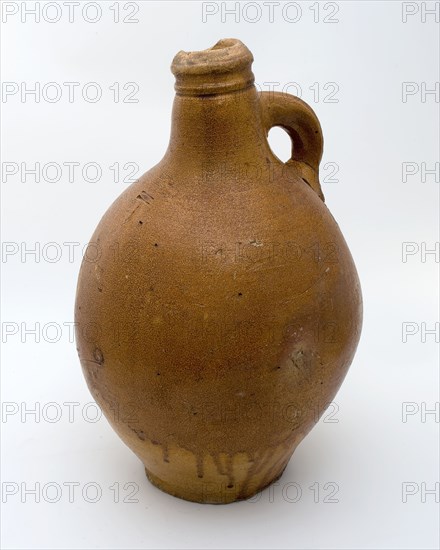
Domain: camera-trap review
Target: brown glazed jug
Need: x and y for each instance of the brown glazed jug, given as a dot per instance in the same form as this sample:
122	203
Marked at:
220	310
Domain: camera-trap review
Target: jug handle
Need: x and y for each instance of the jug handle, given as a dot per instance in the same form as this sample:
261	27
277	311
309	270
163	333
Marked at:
300	122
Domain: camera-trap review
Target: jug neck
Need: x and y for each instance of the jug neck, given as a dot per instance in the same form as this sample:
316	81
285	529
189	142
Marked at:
216	112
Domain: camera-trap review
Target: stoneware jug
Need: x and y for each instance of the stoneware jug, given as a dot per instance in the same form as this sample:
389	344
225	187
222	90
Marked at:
222	308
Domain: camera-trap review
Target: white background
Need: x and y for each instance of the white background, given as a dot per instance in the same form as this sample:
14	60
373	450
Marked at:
364	445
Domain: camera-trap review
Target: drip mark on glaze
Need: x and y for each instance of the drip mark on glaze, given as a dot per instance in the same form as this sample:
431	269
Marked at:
166	456
225	467
257	461
230	471
200	466
218	464
280	464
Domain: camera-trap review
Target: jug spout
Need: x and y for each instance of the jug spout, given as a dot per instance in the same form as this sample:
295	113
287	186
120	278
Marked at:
225	67
216	112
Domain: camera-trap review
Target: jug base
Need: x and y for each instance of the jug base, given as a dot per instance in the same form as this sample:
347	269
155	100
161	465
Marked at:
210	492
